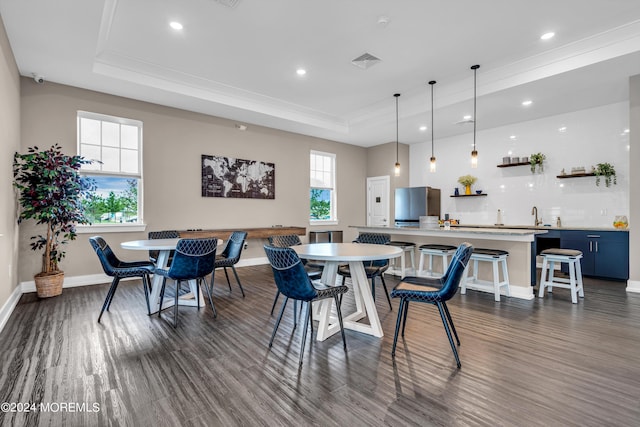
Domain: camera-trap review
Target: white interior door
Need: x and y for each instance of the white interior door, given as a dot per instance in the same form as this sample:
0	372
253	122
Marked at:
378	201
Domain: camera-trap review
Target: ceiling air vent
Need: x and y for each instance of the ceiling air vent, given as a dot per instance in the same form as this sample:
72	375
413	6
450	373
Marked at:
228	3
366	60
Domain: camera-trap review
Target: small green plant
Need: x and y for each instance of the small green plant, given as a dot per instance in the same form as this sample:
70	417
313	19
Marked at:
537	159
467	180
607	171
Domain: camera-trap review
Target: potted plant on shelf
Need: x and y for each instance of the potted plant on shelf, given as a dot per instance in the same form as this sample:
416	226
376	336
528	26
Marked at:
467	181
50	191
537	159
607	171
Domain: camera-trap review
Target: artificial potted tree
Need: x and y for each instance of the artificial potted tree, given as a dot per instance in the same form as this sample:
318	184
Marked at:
50	192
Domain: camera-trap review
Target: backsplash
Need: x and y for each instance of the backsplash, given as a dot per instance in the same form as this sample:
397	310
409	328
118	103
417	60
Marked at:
581	138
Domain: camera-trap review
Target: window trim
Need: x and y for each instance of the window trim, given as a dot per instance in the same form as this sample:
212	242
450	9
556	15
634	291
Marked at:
121	227
333	220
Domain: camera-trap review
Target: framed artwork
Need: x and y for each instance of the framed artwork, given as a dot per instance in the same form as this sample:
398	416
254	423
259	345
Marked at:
237	178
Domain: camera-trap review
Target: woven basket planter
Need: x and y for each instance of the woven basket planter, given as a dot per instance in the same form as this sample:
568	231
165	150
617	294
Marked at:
49	284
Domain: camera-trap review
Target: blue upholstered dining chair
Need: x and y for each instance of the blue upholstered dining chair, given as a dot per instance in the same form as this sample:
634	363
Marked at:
436	291
193	260
294	283
314	270
117	269
230	257
164	234
375	268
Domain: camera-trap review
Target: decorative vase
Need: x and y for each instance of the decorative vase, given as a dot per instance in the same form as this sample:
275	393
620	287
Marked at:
49	285
620	221
467	189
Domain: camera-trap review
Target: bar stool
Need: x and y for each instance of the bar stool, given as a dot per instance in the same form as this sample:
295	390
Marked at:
572	257
406	247
431	250
495	257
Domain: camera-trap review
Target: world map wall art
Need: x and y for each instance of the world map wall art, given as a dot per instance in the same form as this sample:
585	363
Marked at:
237	178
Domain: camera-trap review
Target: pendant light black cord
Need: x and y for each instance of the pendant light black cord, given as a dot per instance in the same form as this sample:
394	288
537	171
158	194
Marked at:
397	139
475	119
432	82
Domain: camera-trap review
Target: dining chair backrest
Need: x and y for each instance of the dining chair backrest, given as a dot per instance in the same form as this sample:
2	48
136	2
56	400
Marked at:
233	249
284	241
289	273
163	234
375	239
107	258
193	258
453	275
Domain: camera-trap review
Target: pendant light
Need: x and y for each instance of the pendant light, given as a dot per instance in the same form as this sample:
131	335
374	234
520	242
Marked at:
432	162
397	166
474	153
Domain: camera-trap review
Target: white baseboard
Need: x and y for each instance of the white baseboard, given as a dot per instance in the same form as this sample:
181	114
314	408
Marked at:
7	308
633	286
520	292
71	282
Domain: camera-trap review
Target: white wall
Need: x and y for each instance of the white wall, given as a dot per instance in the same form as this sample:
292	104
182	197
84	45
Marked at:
592	136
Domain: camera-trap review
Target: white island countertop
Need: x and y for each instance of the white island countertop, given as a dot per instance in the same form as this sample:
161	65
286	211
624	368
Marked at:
493	233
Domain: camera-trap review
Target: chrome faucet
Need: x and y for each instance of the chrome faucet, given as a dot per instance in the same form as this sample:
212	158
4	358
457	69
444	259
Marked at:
534	211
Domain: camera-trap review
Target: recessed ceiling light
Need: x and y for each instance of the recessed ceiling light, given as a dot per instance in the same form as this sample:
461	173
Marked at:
175	25
547	36
423	128
467	117
527	102
301	71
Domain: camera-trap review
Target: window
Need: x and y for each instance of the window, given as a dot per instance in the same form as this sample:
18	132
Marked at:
115	145
323	192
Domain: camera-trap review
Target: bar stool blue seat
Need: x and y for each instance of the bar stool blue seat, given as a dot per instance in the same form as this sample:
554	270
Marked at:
431	250
572	257
497	258
409	247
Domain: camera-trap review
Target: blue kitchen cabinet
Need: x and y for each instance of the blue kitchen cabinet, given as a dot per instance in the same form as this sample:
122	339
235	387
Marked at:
605	254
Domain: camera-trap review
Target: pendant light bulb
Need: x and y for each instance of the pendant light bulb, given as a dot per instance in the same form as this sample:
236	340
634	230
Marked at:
474	152
432	162
397	165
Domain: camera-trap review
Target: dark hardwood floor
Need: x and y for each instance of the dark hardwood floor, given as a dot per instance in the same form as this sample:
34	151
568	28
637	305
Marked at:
544	362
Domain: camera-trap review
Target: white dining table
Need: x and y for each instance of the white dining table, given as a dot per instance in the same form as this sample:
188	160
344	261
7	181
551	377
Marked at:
334	255
164	248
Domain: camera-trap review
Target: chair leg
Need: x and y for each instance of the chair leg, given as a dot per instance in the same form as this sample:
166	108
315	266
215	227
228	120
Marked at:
404	316
398	321
164	283
175	305
453	328
226	274
446	328
198	294
339	311
304	331
113	292
213	307
311	317
107	300
146	284
235	273
275	300
386	292
275	328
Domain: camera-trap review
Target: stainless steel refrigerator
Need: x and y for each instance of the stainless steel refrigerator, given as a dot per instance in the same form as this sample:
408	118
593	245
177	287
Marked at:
413	202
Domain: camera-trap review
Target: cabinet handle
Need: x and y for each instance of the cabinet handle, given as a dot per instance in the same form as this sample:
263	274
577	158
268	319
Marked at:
590	246
596	236
596	246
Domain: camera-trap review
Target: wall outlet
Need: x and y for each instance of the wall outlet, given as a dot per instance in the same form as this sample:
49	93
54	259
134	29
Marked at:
246	245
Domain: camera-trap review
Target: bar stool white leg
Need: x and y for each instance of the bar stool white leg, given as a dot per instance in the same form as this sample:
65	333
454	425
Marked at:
579	274
496	280
505	276
572	282
420	271
543	278
552	268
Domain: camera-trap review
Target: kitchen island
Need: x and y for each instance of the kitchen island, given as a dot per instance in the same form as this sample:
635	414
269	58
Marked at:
518	242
